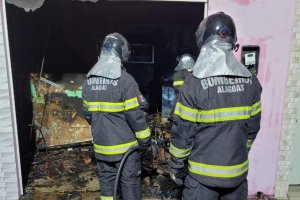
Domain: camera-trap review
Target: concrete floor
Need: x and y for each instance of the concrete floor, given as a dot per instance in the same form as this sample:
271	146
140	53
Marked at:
294	192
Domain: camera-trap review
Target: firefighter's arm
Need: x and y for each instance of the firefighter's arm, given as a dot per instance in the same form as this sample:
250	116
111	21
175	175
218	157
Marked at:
134	115
253	123
183	135
87	115
178	80
144	105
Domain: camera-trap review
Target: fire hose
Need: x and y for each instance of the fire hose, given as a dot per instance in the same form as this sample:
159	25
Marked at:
131	149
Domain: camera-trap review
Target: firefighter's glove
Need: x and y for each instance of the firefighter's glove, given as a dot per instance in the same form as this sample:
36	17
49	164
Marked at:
144	145
250	140
175	176
177	172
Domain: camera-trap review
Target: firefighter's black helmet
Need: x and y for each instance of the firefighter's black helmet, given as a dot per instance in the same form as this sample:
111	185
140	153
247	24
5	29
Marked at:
117	43
216	26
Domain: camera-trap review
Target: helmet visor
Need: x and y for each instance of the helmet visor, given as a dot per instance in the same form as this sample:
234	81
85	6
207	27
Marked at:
117	41
125	47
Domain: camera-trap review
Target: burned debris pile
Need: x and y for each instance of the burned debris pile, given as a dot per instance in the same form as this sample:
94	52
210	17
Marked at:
69	171
62	174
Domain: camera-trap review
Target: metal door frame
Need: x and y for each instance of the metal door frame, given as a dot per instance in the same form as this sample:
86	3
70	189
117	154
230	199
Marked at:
11	98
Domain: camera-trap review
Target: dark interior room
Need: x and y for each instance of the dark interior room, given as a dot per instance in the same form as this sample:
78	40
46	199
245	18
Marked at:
64	36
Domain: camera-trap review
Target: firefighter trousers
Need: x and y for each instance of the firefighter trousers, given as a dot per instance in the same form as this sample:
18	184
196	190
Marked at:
196	191
130	180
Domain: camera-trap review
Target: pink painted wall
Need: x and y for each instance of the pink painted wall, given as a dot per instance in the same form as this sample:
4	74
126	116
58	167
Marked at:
267	23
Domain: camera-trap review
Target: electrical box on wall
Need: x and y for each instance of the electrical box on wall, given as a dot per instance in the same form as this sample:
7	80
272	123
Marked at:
250	58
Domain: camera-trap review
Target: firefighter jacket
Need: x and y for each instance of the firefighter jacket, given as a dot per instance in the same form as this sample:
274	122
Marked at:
112	108
179	77
215	117
178	80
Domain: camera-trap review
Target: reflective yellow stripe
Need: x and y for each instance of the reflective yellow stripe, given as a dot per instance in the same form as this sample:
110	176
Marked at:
255	112
224	110
104	103
143	134
113	149
104	106
131	103
218	171
179	153
217	115
106	197
256	108
229	115
185	112
224	114
178	83
85	103
111	106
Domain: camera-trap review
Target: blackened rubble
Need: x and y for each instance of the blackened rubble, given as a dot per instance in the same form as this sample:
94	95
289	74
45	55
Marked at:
70	172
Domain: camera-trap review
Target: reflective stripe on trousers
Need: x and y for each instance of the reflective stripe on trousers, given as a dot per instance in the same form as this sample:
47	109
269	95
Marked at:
113	149
217	115
218	171
111	106
106	197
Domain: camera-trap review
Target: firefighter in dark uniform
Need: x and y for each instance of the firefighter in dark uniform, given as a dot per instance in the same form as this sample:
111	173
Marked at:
184	67
218	108
111	103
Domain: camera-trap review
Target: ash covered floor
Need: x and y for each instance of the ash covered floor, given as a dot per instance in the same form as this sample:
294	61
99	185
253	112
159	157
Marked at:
66	174
70	173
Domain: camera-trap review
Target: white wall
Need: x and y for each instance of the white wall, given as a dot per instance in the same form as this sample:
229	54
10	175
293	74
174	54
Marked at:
295	161
10	186
290	114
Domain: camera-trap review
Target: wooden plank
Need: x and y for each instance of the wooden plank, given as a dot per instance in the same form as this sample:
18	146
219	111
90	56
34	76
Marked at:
57	109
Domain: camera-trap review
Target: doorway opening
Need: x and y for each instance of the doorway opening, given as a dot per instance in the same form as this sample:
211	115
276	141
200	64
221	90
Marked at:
63	37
